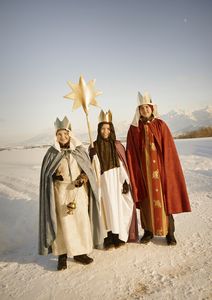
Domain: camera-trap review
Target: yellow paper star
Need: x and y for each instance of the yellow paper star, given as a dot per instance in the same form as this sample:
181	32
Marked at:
83	94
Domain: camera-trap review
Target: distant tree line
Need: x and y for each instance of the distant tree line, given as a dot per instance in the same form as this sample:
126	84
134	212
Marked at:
200	132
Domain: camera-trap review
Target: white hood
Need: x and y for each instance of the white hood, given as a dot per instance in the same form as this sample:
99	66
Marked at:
146	99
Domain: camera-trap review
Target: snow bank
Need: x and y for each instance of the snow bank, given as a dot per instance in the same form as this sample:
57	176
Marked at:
135	271
200	147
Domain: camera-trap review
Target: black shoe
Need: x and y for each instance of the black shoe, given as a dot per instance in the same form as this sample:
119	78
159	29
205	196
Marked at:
108	241
171	241
62	262
148	235
119	244
83	259
108	246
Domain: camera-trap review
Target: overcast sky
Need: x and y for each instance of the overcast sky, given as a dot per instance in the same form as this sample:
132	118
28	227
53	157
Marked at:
162	46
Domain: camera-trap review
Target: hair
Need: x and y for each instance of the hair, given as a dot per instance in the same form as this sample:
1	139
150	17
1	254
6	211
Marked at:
112	135
60	130
150	105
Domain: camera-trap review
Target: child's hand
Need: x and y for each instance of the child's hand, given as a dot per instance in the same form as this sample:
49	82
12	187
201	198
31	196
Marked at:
57	177
126	188
81	179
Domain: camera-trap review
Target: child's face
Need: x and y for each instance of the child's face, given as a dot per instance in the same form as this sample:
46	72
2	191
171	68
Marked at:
145	111
62	136
105	131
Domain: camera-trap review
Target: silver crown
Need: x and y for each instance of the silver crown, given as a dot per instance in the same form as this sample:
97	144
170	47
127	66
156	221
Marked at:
64	124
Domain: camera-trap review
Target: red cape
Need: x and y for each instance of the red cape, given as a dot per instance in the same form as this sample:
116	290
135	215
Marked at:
172	178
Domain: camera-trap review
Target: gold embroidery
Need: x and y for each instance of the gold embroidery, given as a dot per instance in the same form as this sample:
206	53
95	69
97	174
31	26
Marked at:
146	130
157	203
155	174
159	232
152	145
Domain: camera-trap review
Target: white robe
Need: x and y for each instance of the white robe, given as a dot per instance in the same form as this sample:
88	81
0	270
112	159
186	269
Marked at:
73	231
116	208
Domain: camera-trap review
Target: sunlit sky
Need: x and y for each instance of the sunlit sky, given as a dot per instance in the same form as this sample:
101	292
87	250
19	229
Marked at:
160	46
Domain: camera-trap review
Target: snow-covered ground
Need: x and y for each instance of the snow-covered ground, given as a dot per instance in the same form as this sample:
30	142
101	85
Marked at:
135	271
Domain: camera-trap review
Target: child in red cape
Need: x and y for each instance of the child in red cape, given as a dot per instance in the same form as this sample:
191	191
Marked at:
157	178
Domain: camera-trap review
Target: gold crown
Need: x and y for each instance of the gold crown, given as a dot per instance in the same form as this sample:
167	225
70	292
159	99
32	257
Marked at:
105	117
64	124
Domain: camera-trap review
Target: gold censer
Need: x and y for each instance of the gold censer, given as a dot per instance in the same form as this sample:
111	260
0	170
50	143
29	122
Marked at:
71	207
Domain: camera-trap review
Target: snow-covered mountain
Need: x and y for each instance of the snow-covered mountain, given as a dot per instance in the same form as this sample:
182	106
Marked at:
47	138
44	138
178	121
181	121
